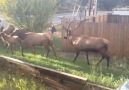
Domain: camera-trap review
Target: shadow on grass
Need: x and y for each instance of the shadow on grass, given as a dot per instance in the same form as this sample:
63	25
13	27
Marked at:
117	71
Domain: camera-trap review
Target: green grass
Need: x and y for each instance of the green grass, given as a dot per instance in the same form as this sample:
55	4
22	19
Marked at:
11	79
114	77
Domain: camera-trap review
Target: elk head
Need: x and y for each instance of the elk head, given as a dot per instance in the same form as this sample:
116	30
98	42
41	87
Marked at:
68	30
52	28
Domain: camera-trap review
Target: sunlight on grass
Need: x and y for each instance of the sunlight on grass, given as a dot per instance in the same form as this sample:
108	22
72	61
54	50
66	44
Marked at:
15	80
98	75
113	77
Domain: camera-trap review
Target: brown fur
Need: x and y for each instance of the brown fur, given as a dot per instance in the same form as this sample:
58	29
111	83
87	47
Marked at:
10	40
82	42
9	29
33	39
88	44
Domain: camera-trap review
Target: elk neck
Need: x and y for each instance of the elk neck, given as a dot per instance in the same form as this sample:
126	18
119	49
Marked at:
72	40
4	36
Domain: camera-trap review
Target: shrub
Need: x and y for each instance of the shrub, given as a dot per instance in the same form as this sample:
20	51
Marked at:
30	14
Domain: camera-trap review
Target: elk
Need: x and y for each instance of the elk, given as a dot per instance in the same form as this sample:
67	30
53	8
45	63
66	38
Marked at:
9	29
10	40
87	44
33	39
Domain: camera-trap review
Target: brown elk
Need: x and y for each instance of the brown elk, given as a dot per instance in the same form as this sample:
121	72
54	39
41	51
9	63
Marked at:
9	29
87	44
33	39
10	40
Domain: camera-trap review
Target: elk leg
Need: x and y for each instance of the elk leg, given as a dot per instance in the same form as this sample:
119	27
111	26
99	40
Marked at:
48	50
108	59
101	60
33	49
22	50
54	51
4	43
87	59
11	49
77	53
23	46
8	48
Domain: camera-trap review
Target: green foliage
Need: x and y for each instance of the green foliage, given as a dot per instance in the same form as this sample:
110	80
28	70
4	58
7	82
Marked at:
33	14
110	4
16	80
110	78
2	5
102	4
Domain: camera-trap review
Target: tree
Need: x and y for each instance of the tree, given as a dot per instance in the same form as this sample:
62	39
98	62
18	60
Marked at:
110	4
102	4
31	14
84	3
2	5
106	4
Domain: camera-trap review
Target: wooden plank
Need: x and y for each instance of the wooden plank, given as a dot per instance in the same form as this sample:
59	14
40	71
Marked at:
109	18
110	37
57	79
93	29
127	34
96	30
126	39
101	30
120	40
115	40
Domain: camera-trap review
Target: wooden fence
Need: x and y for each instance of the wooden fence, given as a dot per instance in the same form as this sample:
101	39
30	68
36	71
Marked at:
109	18
116	33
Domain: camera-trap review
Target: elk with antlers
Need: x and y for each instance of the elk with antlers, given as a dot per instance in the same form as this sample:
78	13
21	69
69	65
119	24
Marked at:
87	44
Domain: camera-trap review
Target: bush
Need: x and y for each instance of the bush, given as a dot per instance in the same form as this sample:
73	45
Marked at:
30	14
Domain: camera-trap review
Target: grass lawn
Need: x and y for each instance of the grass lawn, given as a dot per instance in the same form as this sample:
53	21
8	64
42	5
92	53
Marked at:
114	77
14	79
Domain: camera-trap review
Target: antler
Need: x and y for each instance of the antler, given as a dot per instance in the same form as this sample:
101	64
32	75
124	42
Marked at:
68	24
76	26
79	24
